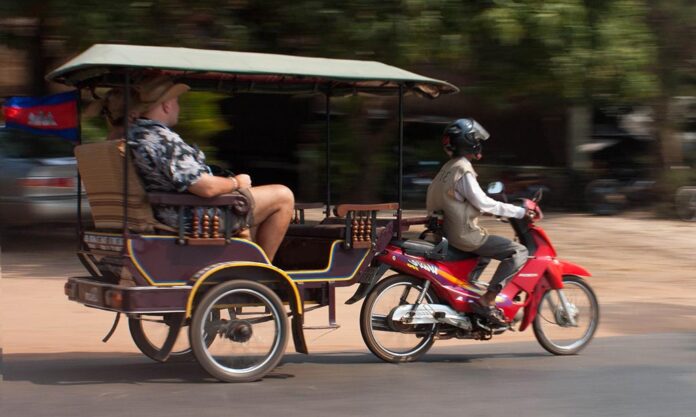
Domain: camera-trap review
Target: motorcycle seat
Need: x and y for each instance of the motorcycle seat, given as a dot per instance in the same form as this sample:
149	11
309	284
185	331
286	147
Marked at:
454	254
426	249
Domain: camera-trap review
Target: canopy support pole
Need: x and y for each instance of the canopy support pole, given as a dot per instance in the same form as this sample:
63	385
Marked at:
80	242
327	213
126	159
401	160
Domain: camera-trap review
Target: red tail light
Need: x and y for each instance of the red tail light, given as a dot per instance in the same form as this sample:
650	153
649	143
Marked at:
46	182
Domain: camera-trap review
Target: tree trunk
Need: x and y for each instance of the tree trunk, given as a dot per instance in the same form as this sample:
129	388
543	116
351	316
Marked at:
579	132
37	59
669	152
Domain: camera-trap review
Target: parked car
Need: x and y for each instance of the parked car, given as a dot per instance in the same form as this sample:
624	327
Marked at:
38	179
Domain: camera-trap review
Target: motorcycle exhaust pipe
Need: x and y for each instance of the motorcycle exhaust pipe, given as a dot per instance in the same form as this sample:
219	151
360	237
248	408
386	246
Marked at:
413	314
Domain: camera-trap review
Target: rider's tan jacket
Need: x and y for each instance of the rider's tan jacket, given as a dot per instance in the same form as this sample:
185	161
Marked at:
460	217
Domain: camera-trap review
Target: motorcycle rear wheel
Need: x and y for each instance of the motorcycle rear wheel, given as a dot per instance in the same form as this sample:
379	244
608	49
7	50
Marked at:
390	341
551	325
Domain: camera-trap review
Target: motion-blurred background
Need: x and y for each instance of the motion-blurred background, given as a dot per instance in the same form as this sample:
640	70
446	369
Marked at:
594	100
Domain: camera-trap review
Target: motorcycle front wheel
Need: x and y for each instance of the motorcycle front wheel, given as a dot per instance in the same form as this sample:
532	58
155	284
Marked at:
395	341
552	326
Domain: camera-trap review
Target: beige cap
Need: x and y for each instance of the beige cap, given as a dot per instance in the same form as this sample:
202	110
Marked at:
155	90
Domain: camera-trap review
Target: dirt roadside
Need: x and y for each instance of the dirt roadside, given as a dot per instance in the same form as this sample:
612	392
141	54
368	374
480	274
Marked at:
644	273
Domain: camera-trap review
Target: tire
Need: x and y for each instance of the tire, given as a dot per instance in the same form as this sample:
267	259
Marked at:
553	331
604	197
249	335
394	345
150	332
685	203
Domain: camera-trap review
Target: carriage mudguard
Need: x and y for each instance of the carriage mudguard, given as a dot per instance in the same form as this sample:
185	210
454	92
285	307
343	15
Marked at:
254	271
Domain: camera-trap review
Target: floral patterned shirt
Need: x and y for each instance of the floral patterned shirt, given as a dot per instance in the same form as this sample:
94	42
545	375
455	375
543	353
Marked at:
165	163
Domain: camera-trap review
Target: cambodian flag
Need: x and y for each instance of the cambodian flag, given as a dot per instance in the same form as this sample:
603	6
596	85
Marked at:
52	115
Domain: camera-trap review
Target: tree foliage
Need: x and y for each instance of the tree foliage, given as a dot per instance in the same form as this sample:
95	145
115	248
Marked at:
567	49
508	51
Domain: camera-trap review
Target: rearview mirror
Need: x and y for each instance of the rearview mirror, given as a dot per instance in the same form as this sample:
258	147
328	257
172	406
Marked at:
495	187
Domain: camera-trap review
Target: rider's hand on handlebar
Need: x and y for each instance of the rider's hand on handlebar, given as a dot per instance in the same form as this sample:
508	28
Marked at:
530	215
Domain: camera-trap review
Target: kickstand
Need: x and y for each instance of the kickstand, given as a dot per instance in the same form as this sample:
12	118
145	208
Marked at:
113	328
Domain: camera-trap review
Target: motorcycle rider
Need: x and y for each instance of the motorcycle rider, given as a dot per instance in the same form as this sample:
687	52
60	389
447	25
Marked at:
456	192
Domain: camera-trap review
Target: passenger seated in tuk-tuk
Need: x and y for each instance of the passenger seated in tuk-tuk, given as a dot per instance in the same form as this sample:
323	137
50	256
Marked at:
111	106
166	163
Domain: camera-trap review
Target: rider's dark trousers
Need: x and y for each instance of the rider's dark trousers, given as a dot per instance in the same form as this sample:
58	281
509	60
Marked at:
512	257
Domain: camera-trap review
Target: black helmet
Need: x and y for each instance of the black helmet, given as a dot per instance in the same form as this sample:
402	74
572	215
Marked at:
464	136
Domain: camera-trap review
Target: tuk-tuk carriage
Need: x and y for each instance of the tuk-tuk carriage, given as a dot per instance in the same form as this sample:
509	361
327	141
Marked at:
209	279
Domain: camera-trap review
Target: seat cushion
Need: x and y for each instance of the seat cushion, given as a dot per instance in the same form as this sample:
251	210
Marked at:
420	247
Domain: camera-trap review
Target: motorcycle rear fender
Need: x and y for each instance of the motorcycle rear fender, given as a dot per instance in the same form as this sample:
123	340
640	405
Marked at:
367	282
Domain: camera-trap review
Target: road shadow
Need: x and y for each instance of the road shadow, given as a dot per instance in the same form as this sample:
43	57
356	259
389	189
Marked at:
75	369
359	358
97	368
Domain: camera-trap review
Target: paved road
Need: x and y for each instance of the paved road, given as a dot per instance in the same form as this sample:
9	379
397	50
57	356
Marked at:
648	375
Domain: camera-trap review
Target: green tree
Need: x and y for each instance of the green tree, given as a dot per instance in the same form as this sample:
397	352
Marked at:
552	52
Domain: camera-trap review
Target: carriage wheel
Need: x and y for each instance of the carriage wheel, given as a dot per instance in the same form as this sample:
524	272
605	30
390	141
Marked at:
249	334
150	332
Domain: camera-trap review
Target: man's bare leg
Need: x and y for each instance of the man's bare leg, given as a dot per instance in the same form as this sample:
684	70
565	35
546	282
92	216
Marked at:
274	209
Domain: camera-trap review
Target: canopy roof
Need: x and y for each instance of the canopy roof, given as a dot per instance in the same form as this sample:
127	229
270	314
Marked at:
107	64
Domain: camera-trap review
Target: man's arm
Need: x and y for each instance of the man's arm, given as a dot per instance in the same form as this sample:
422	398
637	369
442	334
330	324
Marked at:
208	186
470	190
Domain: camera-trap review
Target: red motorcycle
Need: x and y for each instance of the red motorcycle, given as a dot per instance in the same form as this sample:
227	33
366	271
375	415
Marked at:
430	297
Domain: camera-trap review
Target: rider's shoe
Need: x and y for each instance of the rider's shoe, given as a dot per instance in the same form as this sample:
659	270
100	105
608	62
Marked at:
491	313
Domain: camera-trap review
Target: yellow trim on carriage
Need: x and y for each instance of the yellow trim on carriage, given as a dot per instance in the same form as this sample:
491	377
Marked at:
227	265
129	246
328	267
147	277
